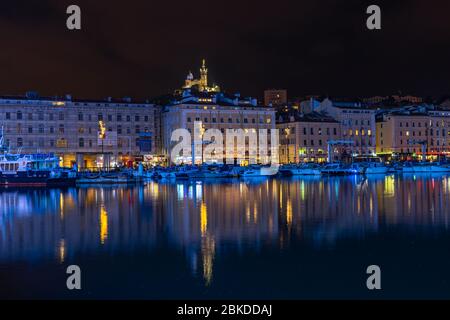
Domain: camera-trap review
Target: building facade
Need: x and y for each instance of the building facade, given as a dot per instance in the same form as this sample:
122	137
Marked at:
358	125
90	134
411	131
213	110
305	138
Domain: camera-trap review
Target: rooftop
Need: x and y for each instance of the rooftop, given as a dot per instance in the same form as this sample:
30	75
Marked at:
34	96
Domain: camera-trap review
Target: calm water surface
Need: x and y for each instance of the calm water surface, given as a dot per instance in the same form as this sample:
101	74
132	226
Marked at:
252	239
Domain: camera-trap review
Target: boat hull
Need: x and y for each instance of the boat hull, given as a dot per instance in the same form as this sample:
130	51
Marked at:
35	179
376	170
426	169
300	172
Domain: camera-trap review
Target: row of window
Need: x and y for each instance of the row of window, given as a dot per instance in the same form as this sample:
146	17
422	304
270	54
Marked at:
109	118
414	150
230	120
82	142
350	122
431	132
357	132
438	142
425	124
319	131
61	129
81	117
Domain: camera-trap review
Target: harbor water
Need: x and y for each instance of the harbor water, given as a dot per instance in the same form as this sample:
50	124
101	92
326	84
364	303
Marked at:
256	238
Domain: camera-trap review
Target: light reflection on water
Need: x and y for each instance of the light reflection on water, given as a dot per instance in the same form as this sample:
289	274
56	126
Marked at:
204	221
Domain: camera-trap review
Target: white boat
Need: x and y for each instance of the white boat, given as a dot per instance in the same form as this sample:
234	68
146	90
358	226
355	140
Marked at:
370	165
259	171
300	170
338	169
370	168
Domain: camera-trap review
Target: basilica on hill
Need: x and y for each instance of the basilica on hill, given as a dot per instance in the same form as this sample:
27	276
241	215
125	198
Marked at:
200	84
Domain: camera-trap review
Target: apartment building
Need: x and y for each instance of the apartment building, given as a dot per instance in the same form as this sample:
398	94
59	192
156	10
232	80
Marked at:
88	133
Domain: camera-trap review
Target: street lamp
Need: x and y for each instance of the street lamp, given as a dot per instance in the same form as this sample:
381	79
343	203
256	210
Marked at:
287	132
102	135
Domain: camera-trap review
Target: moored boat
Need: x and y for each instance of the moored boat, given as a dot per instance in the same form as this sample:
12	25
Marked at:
300	170
370	165
259	171
33	170
425	167
338	169
107	178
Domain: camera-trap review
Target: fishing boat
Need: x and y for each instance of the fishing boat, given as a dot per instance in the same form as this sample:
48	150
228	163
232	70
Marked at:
33	170
300	170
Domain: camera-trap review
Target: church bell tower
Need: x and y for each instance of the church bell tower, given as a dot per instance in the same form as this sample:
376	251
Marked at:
203	76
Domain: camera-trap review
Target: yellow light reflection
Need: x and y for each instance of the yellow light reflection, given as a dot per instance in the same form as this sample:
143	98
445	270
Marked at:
302	190
61	206
155	190
289	212
208	251
203	219
103	224
389	186
281	197
62	250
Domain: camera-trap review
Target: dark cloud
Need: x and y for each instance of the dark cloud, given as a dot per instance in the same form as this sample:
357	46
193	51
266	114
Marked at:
145	48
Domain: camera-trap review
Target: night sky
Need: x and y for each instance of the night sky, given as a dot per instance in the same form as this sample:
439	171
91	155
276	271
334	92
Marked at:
143	48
